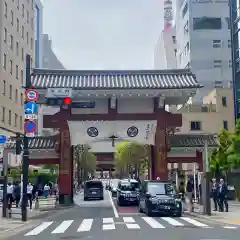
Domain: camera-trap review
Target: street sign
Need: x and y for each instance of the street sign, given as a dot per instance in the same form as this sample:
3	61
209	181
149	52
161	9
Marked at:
31	108
31	95
30	126
31	116
59	92
3	139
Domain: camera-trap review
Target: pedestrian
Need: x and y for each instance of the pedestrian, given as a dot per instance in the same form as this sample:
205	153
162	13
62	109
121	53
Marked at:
29	194
215	191
189	190
10	189
46	190
222	195
17	194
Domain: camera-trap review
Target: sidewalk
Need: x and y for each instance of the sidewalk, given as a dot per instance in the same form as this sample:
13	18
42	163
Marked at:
231	217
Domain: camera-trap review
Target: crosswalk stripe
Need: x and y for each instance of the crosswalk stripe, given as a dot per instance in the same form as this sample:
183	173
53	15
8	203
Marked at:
132	226
39	229
230	227
194	222
63	227
85	226
108	226
128	220
108	220
152	222
172	221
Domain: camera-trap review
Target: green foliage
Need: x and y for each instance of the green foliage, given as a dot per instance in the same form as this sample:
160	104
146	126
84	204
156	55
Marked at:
227	155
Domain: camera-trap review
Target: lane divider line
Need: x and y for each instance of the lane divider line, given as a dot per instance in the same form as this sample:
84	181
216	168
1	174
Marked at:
113	206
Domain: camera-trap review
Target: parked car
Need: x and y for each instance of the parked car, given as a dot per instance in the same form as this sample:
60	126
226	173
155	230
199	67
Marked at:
127	192
159	197
93	189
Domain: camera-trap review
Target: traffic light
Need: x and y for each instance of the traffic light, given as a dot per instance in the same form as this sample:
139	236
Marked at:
19	144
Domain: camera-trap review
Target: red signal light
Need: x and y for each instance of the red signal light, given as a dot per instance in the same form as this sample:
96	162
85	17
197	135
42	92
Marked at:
67	101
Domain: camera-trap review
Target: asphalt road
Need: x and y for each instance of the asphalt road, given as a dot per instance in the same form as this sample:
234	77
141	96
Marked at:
102	220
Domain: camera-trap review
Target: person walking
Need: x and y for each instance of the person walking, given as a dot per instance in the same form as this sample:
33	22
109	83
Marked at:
215	191
29	194
190	189
46	190
10	189
222	195
17	194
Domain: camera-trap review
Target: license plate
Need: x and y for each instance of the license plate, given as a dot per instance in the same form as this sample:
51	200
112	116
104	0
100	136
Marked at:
93	192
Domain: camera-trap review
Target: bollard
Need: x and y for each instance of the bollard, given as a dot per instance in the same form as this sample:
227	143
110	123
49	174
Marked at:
37	202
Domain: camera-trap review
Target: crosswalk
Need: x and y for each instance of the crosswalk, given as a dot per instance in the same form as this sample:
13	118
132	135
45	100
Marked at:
107	224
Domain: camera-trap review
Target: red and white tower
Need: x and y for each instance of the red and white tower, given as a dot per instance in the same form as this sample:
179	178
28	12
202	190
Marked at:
168	14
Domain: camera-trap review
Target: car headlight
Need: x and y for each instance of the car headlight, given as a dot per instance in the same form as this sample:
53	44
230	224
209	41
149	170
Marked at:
178	205
114	189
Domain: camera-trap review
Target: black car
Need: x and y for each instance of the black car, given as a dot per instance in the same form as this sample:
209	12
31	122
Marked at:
93	190
159	197
127	192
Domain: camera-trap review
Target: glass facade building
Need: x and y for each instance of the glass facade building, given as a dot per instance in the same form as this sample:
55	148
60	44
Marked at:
235	38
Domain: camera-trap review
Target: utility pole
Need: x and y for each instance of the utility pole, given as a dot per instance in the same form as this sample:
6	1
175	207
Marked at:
25	164
206	179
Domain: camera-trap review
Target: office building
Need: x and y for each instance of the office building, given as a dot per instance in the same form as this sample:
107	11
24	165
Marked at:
16	40
38	34
204	43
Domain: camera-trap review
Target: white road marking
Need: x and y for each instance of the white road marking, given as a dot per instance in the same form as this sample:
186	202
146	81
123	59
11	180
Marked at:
230	227
194	222
132	226
39	229
152	222
108	220
85	226
172	221
128	220
108	227
113	206
63	227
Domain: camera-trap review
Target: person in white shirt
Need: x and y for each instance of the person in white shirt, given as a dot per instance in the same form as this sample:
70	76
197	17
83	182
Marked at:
29	194
46	190
10	189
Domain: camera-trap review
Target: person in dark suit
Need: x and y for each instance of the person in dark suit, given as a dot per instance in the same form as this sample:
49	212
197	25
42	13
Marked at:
215	191
222	195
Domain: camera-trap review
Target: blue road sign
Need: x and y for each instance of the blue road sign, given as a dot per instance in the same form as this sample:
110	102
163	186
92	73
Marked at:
30	126
31	108
3	139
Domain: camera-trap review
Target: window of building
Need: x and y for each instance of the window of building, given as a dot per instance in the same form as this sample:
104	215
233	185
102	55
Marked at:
23	10
4	61
229	44
22	77
31	44
21	99
17	48
17	76
185	9
21	122
12	18
175	52
224	101
218	84
22	32
10	91
3	115
11	42
18	4
27	16
186	28
16	96
9	117
217	43
186	48
32	23
195	126
217	63
17	25
22	54
27	38
15	120
5	10
205	23
228	22
5	35
187	66
174	39
230	63
225	125
11	67
4	88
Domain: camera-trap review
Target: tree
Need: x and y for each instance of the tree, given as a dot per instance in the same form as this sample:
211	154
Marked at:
131	157
85	159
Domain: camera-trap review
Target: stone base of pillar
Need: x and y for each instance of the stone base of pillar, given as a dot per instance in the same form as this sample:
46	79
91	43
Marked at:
65	199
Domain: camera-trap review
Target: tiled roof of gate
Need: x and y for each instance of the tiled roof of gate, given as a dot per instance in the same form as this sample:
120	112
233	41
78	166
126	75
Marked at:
182	140
132	79
35	142
176	141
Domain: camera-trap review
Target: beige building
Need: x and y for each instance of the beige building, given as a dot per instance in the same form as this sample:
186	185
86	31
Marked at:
16	40
216	113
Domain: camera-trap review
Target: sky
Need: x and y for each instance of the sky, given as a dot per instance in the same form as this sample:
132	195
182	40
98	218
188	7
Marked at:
104	34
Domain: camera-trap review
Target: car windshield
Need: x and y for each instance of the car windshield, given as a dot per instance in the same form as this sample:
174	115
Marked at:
96	184
129	186
161	189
